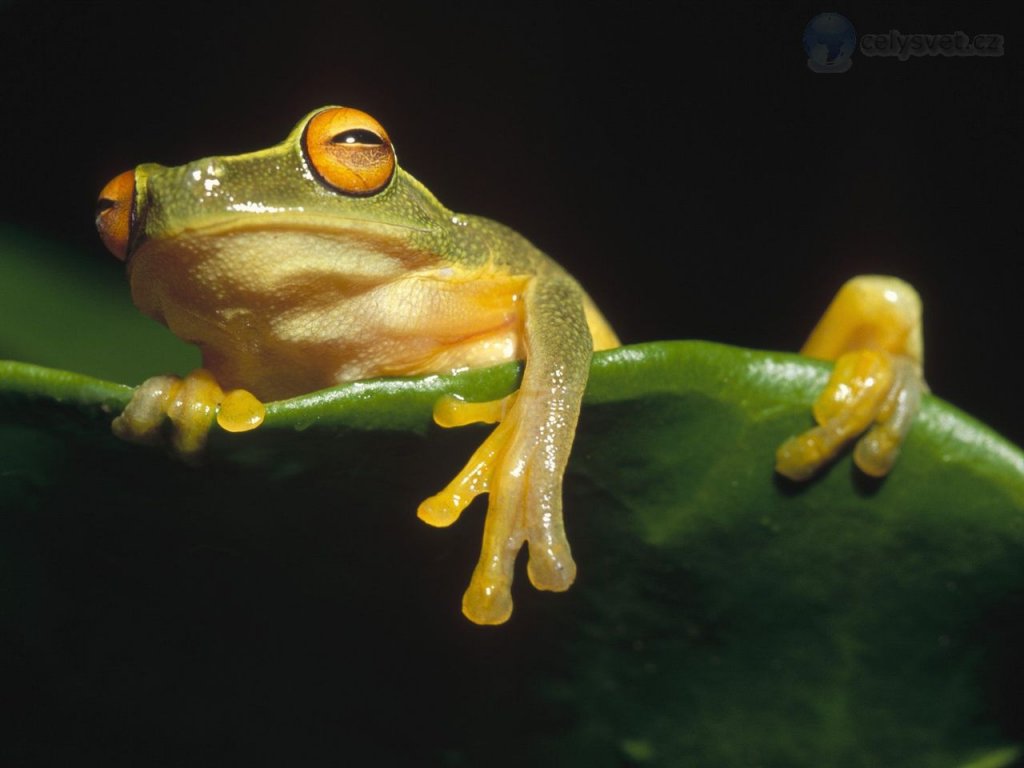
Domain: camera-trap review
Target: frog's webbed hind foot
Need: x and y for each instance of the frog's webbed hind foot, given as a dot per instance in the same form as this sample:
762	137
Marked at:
869	390
524	506
189	405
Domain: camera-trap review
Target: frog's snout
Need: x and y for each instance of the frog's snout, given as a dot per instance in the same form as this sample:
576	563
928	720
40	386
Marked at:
115	210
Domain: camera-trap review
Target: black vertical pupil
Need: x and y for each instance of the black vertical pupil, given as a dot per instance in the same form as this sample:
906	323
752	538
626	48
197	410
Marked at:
357	136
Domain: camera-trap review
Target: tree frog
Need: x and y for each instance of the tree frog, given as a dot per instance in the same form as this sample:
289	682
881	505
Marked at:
320	261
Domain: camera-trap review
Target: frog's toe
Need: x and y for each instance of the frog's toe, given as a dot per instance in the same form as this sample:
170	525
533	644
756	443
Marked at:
488	602
877	451
488	599
240	411
444	508
190	405
453	411
551	566
870	390
143	418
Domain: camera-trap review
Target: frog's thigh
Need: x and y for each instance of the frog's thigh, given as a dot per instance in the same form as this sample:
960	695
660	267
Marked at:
873	331
191	405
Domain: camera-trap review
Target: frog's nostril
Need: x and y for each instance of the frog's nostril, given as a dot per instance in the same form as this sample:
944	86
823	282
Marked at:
115	211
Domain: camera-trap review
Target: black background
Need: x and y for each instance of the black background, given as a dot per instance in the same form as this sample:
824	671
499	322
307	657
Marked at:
682	161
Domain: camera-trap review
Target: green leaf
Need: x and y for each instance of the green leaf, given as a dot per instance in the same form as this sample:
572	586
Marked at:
60	308
722	616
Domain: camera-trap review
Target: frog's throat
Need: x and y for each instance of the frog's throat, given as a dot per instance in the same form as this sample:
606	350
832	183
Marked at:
406	244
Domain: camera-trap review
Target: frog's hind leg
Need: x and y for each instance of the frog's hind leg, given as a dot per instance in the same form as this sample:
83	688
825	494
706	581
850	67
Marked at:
872	329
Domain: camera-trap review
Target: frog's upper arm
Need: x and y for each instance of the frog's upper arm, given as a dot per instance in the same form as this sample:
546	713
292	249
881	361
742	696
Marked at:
522	462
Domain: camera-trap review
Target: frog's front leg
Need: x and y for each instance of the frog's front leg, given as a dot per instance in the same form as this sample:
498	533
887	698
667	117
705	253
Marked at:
872	330
189	405
521	464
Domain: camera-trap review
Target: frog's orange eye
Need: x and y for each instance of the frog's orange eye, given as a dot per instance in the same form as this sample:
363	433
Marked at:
349	150
114	213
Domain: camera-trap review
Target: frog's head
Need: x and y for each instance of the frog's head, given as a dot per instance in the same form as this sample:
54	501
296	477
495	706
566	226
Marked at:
335	173
328	201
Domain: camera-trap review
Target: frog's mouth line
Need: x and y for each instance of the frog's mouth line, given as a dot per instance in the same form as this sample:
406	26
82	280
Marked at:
308	224
387	236
281	220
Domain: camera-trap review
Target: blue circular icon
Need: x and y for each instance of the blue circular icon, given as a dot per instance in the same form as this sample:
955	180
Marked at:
829	40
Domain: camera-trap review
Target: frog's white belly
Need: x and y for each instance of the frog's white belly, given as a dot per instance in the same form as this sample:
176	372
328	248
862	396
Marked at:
284	326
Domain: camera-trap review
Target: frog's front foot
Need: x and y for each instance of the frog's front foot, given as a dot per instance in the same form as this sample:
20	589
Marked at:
524	483
189	406
872	394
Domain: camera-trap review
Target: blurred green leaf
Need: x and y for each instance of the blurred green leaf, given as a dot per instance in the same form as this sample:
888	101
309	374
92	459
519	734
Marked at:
64	309
722	616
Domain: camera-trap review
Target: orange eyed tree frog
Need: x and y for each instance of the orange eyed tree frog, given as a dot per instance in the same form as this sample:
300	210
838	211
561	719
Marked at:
320	261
